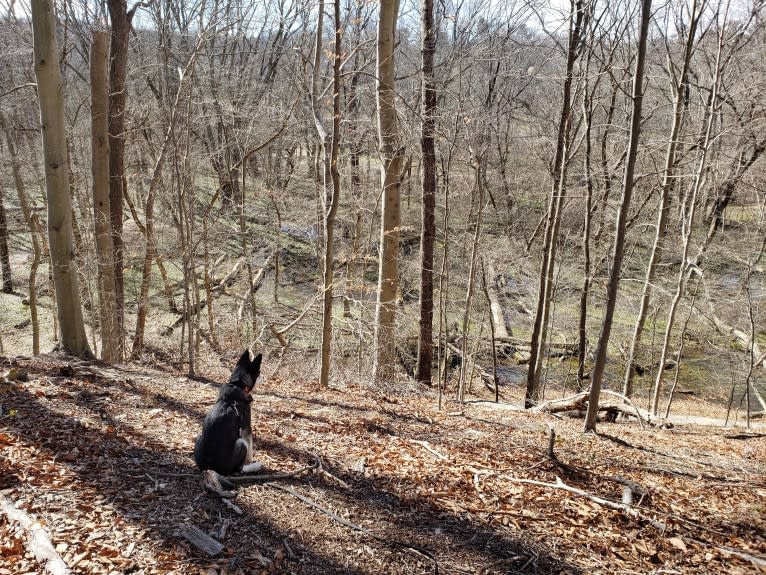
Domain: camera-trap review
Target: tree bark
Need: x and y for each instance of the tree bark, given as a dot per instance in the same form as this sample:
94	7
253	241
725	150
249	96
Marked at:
391	156
423	371
118	67
50	90
331	198
622	217
99	78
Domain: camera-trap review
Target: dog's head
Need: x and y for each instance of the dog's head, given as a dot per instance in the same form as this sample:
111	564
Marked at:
246	373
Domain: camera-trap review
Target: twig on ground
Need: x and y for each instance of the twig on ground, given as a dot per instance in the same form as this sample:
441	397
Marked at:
332	478
627	509
427	446
245	479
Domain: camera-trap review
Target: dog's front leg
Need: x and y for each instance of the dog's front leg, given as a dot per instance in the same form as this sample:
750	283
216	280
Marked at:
247	435
246	431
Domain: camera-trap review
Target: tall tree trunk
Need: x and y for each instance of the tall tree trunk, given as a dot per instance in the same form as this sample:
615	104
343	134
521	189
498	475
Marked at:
622	217
553	219
99	78
118	67
391	156
330	205
582	331
331	200
428	220
50	90
668	178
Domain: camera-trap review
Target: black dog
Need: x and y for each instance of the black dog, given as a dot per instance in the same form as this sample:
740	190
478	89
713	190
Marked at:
226	441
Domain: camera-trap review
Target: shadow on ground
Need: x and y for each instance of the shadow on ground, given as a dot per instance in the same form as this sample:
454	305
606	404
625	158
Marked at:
154	485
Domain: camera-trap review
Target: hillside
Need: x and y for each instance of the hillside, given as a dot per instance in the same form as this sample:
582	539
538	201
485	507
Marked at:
101	457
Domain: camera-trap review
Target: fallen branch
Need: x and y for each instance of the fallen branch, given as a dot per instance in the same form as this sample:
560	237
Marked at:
247	479
228	280
427	446
284	330
420	551
756	561
627	509
38	541
195	309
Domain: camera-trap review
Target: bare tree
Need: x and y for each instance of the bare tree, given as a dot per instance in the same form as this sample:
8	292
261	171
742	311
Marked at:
121	19
51	99
689	206
622	217
330	194
428	175
391	158
99	81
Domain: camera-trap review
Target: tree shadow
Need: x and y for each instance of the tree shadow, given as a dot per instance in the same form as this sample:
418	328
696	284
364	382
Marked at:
153	485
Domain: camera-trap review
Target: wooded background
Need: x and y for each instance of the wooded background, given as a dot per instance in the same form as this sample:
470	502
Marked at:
384	189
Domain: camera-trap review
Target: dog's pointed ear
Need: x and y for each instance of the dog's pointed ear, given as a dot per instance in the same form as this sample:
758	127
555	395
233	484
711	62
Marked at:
255	366
244	361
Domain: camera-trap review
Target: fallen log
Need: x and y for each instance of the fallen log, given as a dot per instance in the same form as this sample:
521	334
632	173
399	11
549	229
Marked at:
38	541
184	316
495	307
229	278
579	403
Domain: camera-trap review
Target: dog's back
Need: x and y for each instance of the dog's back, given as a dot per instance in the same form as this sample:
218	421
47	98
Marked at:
226	441
221	430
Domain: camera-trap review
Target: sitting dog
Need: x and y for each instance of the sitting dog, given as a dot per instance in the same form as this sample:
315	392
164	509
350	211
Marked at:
226	441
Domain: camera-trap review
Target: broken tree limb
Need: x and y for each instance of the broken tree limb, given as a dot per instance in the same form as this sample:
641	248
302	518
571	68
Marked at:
229	278
627	509
38	541
427	446
742	337
759	562
279	333
184	316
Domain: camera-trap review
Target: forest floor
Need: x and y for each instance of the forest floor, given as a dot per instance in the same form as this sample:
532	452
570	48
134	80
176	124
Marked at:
100	457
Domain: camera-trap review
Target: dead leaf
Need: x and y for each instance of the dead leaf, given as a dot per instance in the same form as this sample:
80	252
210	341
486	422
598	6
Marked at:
678	543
